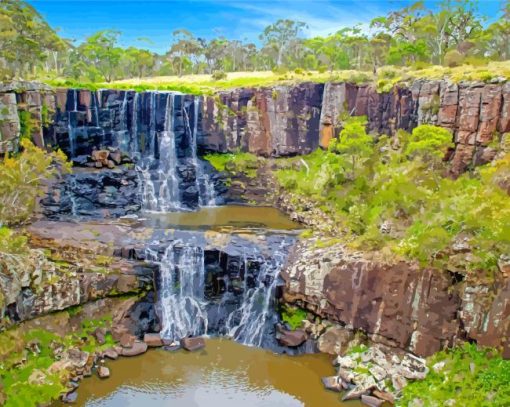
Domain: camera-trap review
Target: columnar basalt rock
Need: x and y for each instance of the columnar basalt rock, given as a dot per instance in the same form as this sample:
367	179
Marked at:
274	121
401	304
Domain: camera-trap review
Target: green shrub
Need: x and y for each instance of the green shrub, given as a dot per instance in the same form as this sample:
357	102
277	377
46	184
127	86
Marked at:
399	182
470	377
219	75
293	316
235	163
21	180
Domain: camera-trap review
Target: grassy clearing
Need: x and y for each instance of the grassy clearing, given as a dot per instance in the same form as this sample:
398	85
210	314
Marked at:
384	78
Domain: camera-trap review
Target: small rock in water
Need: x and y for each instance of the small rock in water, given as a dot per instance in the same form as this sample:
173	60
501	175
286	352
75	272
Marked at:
172	347
332	383
70	397
371	401
137	349
290	338
153	340
103	372
193	344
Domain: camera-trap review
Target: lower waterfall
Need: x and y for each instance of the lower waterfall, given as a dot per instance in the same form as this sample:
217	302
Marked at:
209	292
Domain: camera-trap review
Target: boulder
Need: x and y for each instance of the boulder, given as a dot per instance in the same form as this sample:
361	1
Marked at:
100	335
332	383
335	340
111	354
371	401
137	348
70	398
192	344
383	395
290	338
153	340
103	372
127	340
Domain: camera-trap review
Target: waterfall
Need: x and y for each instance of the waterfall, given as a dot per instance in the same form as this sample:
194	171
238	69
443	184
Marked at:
204	184
158	130
235	300
123	139
182	292
158	166
71	126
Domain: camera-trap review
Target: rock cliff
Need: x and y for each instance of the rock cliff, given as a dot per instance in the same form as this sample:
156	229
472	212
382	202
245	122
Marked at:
279	120
398	304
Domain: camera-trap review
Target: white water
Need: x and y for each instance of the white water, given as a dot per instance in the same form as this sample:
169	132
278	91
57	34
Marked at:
159	181
204	184
186	310
182	292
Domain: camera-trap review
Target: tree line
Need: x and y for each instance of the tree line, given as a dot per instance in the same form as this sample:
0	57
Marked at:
452	33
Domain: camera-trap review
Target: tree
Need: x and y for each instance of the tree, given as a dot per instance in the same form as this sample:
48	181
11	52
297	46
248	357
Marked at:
185	50
354	143
281	35
26	39
102	54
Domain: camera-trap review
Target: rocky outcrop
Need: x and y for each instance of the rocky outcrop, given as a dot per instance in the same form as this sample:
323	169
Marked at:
401	305
93	193
275	121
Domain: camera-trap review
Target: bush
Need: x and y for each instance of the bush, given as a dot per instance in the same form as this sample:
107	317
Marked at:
242	163
219	75
453	58
322	68
470	376
21	179
399	182
293	316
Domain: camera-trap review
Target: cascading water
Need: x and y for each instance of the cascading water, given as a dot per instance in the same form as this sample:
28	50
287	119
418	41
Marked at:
233	297
158	167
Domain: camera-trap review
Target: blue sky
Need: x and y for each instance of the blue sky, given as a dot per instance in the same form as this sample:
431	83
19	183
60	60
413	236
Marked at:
235	19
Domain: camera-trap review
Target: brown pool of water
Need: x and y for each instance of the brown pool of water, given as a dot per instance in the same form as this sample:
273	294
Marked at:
237	216
224	374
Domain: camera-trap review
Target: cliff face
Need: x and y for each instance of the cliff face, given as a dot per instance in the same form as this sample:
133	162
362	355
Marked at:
271	121
400	304
294	120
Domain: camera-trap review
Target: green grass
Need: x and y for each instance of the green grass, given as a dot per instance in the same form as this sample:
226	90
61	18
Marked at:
471	376
384	79
18	364
235	163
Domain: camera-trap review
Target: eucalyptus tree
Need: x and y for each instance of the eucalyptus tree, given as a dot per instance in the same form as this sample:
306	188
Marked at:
280	36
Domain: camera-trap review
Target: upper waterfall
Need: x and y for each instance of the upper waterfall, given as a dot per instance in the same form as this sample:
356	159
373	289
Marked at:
157	129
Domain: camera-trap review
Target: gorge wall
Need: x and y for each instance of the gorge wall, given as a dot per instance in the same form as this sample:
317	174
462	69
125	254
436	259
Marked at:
279	120
398	304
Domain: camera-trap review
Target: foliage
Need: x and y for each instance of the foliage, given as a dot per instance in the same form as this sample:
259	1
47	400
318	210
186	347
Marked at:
449	33
26	378
293	316
21	179
399	199
26	125
219	75
237	163
471	376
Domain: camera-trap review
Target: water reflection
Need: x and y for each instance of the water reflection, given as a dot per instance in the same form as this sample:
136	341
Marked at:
225	374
